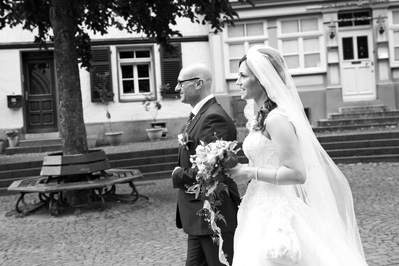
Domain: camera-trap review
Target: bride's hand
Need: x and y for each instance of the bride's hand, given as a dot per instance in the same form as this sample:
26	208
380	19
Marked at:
239	173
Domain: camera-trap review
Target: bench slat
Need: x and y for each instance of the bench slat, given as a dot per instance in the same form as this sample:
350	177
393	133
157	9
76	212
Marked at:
63	170
35	184
60	159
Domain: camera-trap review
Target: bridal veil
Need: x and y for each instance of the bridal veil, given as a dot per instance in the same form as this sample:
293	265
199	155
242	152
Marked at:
327	189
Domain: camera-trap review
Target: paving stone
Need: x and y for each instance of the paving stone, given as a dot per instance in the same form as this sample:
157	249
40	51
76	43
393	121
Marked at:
144	233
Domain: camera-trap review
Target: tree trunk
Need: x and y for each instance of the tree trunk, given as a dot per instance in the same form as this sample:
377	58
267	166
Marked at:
72	127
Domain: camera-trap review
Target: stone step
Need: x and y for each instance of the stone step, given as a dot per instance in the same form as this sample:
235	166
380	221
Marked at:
324	129
338	116
152	163
391	150
381	143
367	159
33	149
39	142
359	121
358	136
362	109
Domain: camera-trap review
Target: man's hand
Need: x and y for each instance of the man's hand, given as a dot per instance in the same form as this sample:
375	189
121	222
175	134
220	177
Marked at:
177	167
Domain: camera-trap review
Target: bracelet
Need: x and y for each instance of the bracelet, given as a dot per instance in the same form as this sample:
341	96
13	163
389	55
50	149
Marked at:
275	175
256	173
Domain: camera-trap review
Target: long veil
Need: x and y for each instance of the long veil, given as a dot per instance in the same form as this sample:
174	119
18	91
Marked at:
327	188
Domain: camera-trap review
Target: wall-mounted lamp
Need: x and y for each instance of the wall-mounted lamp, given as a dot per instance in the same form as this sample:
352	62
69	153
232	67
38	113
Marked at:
331	29
381	25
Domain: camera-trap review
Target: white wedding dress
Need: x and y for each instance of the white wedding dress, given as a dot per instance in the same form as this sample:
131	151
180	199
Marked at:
320	245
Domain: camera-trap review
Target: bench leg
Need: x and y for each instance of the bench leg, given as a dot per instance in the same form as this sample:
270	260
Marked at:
44	198
56	205
100	193
20	199
112	190
28	207
135	192
127	198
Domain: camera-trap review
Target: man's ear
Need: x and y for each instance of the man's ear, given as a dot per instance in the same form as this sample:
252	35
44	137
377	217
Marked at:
200	83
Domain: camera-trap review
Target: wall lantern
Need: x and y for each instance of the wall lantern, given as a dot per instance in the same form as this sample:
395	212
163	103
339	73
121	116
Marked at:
381	25
332	29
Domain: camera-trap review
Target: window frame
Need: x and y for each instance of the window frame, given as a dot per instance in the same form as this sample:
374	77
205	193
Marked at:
242	40
136	96
391	29
300	37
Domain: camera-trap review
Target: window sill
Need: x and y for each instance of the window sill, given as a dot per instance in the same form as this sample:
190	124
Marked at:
137	98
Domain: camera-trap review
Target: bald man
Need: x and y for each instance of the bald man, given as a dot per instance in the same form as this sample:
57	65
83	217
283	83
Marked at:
195	87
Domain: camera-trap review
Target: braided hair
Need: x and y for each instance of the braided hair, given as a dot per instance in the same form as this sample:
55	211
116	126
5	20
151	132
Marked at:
264	111
266	108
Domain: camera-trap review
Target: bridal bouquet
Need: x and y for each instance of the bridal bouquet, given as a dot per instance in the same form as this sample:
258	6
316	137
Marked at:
211	159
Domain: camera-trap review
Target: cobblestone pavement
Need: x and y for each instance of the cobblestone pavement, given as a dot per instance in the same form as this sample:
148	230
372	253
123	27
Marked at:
144	233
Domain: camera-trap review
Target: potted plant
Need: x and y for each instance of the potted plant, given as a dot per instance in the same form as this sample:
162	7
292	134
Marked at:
1	145
12	136
153	106
114	137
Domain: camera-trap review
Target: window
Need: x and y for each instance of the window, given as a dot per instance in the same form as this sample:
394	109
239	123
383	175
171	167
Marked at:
171	66
354	18
135	69
100	90
239	39
394	37
301	42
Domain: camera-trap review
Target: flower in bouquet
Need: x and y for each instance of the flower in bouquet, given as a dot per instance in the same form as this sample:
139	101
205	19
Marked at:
183	140
211	159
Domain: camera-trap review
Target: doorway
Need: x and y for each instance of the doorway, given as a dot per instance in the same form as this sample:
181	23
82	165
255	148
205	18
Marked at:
357	66
357	56
39	92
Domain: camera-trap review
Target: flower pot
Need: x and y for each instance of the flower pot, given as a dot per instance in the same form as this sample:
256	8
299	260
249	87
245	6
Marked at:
114	138
162	125
13	141
91	141
154	134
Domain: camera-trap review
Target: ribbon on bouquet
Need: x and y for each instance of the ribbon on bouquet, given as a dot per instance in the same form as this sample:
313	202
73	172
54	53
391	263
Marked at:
215	228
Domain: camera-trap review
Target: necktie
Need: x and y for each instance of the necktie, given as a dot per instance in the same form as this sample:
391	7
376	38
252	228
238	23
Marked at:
190	118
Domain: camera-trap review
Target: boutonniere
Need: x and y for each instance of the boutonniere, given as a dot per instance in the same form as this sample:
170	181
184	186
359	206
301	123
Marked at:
183	140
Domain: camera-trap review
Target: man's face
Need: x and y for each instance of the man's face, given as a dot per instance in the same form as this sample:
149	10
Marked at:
187	86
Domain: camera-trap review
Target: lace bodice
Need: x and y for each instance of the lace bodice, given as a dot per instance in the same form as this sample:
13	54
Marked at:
261	152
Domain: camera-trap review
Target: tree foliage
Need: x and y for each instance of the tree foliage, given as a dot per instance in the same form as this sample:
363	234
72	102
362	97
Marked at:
152	18
68	23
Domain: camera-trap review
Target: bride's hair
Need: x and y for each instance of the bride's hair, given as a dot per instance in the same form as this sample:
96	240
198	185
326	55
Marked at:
268	105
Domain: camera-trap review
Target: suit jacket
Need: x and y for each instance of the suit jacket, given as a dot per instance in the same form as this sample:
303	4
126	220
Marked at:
211	118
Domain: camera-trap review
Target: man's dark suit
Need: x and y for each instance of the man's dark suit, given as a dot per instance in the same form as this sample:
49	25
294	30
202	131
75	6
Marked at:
211	118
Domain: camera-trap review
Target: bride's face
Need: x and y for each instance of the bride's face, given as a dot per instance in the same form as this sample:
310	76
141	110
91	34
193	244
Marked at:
249	85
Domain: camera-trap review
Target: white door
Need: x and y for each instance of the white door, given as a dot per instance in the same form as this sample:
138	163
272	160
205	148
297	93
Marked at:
357	65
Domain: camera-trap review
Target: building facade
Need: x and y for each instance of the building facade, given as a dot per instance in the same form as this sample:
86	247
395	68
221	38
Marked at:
340	53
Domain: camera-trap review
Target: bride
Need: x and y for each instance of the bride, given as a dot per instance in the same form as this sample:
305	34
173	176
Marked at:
288	169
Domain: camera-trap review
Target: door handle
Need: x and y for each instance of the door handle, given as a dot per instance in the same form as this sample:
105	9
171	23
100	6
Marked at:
26	95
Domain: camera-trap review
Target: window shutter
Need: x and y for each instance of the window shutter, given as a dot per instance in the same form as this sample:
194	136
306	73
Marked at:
101	63
171	66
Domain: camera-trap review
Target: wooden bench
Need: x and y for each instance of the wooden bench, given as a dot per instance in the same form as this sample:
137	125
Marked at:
56	169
